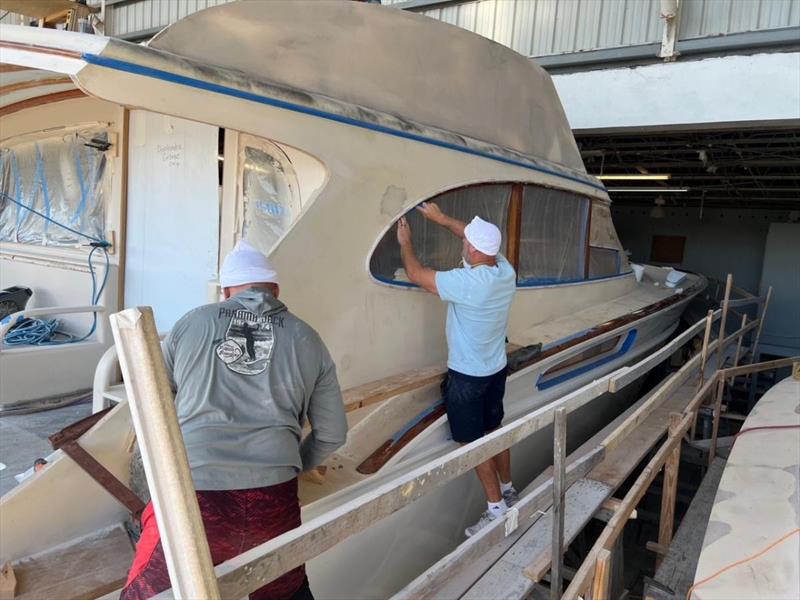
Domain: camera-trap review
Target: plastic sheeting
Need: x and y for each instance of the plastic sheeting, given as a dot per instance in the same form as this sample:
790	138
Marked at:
270	193
436	246
60	177
603	262
552	235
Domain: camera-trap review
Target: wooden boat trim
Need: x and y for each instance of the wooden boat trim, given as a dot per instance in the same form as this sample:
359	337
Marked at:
40	100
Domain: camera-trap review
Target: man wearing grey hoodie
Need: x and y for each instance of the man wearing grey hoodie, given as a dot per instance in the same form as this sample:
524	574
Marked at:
247	374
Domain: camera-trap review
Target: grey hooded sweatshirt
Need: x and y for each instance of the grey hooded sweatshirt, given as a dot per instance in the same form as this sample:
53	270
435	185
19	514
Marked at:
247	374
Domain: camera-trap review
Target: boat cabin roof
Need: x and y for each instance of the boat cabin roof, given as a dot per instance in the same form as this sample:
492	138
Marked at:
389	60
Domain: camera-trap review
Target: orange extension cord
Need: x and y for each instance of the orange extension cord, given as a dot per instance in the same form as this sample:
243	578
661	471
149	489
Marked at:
740	562
765	550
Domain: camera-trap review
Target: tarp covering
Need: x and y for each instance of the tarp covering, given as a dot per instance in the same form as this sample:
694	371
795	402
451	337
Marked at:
59	176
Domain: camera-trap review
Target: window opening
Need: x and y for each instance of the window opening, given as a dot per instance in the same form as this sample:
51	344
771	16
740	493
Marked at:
552	237
603	262
64	177
437	247
270	192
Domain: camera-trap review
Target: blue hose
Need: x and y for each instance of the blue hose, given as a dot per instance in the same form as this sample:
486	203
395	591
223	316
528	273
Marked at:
43	332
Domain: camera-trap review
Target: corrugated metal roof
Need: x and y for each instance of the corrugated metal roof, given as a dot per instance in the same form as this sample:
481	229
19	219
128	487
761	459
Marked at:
548	27
531	27
142	17
702	18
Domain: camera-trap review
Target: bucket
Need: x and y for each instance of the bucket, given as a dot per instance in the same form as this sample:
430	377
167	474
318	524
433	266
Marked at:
638	271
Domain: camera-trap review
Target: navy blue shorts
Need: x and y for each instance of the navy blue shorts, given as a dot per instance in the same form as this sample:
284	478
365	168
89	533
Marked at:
474	404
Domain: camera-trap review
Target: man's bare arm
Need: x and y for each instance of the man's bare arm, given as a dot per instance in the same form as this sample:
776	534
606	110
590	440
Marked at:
432	212
416	271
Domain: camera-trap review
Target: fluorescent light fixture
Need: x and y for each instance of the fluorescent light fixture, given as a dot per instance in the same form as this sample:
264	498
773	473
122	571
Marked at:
655	190
639	177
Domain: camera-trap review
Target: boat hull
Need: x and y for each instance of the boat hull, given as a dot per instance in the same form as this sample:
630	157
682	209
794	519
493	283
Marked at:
381	560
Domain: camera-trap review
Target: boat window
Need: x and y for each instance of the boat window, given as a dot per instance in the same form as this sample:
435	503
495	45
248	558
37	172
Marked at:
603	262
436	247
270	192
64	177
552	237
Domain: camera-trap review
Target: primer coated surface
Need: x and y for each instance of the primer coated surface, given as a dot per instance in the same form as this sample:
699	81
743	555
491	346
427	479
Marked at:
757	503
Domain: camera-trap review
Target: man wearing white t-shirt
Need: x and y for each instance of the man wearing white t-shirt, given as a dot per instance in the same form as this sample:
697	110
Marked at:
479	298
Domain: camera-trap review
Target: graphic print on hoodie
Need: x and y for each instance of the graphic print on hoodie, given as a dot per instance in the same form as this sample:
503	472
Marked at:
248	343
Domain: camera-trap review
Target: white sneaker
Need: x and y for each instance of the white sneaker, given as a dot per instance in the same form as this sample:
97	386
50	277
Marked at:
511	497
486	518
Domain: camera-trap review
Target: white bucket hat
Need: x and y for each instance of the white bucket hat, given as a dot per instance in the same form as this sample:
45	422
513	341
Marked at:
484	236
245	264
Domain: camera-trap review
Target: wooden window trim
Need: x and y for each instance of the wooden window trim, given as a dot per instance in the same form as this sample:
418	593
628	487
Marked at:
514	225
587	241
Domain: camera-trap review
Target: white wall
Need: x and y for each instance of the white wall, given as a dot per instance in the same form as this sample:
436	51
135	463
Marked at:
725	241
173	215
761	87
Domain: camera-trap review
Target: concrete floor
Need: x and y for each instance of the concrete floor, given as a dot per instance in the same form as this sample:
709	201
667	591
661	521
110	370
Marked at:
23	438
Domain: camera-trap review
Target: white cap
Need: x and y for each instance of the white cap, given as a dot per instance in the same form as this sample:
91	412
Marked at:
484	236
245	264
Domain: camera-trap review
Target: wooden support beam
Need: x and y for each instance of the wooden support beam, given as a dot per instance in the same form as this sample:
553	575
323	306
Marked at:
75	430
739	346
659	549
388	387
675	381
744	302
744	293
762	366
9	109
166	465
614	528
761	318
704	351
608	509
670	489
559	476
712	451
104	477
723	319
602	576
514	225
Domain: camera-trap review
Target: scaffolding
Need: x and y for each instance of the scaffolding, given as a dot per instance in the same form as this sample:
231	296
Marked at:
523	543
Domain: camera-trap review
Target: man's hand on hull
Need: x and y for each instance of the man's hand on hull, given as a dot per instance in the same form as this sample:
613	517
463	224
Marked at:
432	212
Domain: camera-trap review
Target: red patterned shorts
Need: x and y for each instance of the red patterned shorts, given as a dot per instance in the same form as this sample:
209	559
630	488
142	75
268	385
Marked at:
235	521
